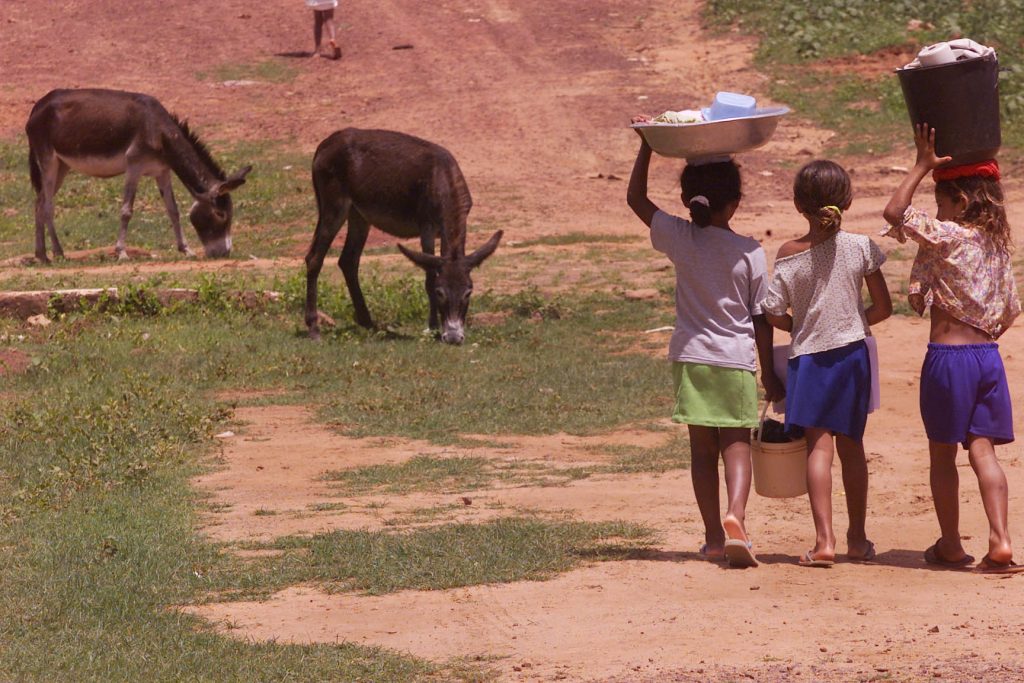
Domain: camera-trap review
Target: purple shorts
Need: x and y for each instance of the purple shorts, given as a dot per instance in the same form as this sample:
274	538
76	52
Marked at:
964	391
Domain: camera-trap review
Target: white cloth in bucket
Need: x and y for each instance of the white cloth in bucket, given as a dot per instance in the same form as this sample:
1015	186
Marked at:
949	51
781	354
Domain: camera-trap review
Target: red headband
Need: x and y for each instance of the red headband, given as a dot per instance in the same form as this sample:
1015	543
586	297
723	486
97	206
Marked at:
988	169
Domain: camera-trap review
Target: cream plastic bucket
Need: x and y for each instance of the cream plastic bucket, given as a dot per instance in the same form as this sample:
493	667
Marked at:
780	469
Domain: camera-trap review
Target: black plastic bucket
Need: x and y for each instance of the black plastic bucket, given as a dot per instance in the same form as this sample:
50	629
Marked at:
960	100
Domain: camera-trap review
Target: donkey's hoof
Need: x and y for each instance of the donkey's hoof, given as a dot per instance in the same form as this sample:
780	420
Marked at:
121	255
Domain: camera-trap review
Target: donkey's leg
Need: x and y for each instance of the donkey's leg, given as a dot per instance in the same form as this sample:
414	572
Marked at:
62	172
427	244
49	168
163	181
355	240
333	212
131	184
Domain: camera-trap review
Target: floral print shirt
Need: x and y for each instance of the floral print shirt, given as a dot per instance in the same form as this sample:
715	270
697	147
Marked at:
961	271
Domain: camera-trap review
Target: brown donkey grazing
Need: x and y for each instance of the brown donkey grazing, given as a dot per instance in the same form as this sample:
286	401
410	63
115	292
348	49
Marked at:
104	133
407	187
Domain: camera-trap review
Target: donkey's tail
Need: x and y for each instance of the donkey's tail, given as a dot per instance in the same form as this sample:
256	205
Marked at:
33	169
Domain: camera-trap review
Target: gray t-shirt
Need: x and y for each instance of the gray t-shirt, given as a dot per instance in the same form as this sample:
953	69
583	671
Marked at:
720	279
823	287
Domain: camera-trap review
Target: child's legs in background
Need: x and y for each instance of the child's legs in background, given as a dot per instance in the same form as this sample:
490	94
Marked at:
855	484
994	495
819	490
318	29
328	20
945	483
704	449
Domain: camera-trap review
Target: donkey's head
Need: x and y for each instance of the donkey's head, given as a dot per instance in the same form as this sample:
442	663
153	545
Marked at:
211	215
452	285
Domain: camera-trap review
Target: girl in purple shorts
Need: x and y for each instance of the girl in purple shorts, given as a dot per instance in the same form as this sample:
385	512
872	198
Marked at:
828	379
964	274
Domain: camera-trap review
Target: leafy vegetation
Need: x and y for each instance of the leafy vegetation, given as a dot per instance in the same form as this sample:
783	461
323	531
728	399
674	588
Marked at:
798	35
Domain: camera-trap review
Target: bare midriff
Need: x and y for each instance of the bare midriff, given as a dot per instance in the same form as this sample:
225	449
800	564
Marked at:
948	330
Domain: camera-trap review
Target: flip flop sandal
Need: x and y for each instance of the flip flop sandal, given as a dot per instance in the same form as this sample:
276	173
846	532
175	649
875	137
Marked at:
739	553
808	560
988	566
868	556
931	556
335	50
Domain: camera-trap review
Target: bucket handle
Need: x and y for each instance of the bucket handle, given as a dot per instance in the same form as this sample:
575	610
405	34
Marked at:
760	423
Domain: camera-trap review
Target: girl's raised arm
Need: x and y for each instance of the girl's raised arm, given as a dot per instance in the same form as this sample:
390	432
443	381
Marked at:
924	139
636	195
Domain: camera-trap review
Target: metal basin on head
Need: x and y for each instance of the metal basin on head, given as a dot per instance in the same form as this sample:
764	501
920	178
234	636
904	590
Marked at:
712	138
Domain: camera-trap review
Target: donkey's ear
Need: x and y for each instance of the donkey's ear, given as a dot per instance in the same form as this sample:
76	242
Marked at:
235	180
421	259
478	256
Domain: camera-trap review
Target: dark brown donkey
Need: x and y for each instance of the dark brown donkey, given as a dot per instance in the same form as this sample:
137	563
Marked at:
104	133
407	187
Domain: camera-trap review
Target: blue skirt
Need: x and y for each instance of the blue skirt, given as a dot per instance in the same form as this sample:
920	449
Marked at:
830	390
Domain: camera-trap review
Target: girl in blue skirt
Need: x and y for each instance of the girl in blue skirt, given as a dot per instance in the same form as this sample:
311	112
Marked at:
828	386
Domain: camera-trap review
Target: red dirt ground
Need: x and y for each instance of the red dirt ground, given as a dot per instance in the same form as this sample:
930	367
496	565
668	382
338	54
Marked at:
532	98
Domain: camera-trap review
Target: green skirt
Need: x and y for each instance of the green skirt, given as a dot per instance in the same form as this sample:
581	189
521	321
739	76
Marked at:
712	396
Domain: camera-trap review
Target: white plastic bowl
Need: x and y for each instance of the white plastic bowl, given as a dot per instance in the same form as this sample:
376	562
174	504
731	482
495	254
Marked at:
712	138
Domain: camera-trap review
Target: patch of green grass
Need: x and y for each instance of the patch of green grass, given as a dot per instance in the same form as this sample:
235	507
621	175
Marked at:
274	212
269	70
421	473
327	507
447	475
98	441
98	533
422	515
568	238
672	455
796	34
443	557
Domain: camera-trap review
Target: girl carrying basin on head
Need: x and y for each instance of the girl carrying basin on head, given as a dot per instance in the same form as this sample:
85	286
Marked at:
964	274
828	383
718	338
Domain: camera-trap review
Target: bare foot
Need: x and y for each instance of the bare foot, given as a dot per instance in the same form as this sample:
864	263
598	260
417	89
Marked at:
811	559
1000	553
712	553
734	528
861	552
824	553
859	549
